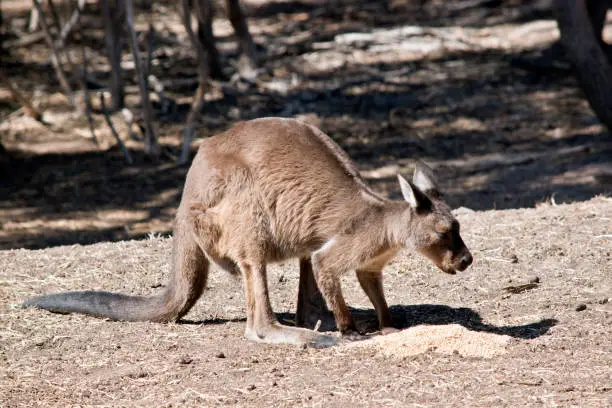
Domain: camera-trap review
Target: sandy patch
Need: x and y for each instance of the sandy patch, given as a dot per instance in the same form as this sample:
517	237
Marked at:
443	339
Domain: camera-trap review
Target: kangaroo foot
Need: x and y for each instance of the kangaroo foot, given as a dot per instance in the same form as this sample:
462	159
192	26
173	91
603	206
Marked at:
352	334
279	334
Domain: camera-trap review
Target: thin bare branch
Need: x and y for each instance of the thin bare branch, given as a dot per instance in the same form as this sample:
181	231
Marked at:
55	61
59	45
18	96
86	97
25	40
34	20
150	49
109	122
113	23
74	18
54	15
198	98
151	146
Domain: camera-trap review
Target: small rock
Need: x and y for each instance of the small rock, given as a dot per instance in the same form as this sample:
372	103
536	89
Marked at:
220	355
251	387
185	360
603	301
513	258
581	307
534	279
274	384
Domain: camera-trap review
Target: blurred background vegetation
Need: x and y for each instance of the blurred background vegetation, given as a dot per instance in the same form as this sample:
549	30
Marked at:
103	102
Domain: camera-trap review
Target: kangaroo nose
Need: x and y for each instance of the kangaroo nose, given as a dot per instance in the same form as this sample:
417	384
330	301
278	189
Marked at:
465	261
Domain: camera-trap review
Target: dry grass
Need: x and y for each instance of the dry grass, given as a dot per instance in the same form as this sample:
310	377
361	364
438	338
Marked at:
527	349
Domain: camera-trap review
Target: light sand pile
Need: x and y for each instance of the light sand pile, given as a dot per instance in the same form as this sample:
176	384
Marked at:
443	339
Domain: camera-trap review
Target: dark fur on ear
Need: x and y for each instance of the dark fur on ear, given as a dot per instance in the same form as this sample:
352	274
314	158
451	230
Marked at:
414	196
425	180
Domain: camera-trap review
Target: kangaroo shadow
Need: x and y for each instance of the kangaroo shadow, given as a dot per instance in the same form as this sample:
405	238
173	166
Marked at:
405	316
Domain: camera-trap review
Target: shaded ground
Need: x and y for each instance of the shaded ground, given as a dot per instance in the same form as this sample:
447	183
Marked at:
468	339
477	89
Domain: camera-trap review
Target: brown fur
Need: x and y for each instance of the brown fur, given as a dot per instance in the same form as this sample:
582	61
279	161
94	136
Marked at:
271	189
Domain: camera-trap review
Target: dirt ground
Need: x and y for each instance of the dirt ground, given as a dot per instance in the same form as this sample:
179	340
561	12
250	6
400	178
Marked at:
478	89
468	340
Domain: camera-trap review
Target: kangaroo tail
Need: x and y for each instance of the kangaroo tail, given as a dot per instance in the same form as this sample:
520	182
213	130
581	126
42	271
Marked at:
104	304
186	286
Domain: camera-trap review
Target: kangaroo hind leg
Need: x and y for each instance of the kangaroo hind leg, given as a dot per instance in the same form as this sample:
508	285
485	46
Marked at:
262	325
311	307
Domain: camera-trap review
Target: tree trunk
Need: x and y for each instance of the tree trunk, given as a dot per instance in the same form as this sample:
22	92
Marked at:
584	48
203	10
151	146
248	57
198	98
112	16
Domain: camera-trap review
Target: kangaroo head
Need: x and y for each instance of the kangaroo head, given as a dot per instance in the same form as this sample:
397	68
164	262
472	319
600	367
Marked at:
434	231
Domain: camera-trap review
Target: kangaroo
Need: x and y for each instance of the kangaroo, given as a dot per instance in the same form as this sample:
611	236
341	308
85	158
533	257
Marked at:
271	189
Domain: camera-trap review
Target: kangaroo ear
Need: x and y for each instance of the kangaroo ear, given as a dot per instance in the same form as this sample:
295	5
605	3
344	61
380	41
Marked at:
424	178
407	191
413	195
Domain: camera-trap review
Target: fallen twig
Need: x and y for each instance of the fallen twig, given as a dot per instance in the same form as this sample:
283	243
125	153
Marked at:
500	259
521	288
25	40
28	108
126	153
